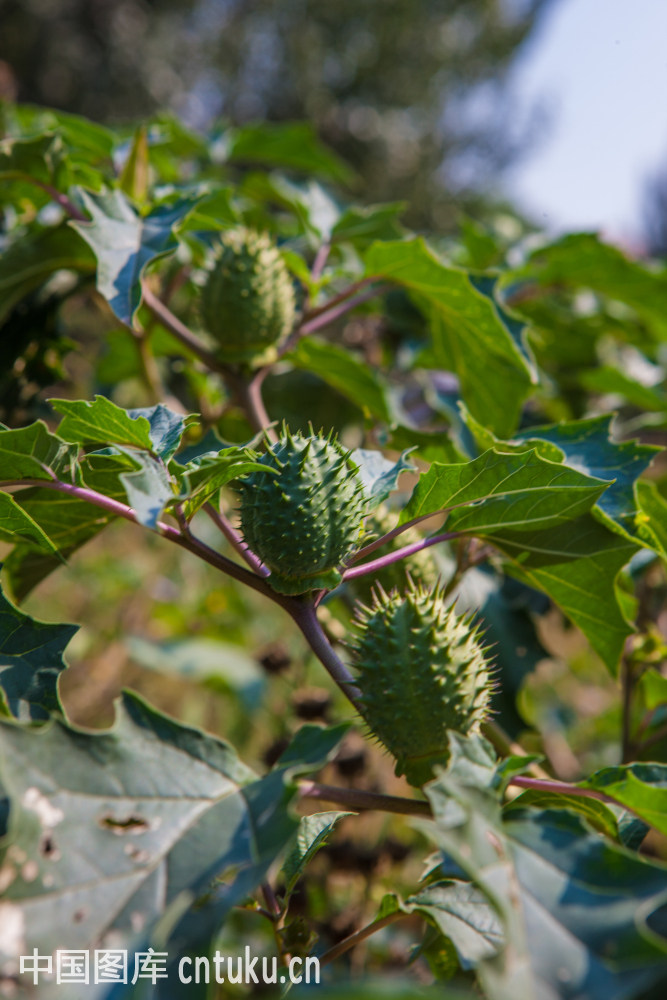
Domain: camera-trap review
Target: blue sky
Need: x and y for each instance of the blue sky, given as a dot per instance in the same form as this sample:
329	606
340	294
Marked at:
600	68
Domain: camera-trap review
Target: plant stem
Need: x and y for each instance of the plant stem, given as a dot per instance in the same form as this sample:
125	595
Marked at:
61	199
180	331
330	315
408	550
319	263
249	394
358	799
378	543
507	747
305	617
561	787
347	293
186	541
235	540
359	936
627	686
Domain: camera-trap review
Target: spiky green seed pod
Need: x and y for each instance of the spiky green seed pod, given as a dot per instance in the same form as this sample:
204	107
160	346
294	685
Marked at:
420	566
247	302
306	518
422	672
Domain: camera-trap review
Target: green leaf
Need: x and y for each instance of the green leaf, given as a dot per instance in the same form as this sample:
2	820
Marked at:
101	422
311	748
641	788
574	907
149	488
125	243
463	915
206	474
651	520
578	568
362	225
343	372
581	260
34	453
469	334
28	261
31	660
42	158
518	491
292	144
17	524
379	475
67	521
596	813
313	833
586	445
609	380
127	823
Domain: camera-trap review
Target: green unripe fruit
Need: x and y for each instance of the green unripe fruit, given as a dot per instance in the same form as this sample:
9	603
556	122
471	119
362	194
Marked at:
420	566
303	520
422	672
247	302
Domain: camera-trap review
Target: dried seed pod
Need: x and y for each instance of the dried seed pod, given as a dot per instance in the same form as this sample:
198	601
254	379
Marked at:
247	302
422	672
306	517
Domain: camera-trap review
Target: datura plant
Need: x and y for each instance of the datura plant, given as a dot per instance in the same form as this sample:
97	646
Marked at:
411	669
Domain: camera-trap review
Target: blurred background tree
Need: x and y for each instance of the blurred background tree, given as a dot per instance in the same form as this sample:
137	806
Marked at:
413	93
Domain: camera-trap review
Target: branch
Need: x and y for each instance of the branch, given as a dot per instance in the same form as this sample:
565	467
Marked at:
235	540
249	396
330	315
392	557
305	617
385	539
180	331
347	293
61	199
357	799
359	936
562	788
189	541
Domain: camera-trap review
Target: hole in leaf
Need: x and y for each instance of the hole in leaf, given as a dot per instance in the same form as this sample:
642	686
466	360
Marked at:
128	824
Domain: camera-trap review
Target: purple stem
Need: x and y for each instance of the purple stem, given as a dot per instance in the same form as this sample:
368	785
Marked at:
179	330
189	542
384	539
305	617
345	294
332	314
235	540
561	787
392	557
320	260
357	798
61	199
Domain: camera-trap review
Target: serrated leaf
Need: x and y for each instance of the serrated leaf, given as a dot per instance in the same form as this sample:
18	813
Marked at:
124	823
206	474
313	833
343	372
125	243
518	491
68	521
27	262
586	445
641	788
574	907
578	568
379	475
32	452
31	660
469	336
101	422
